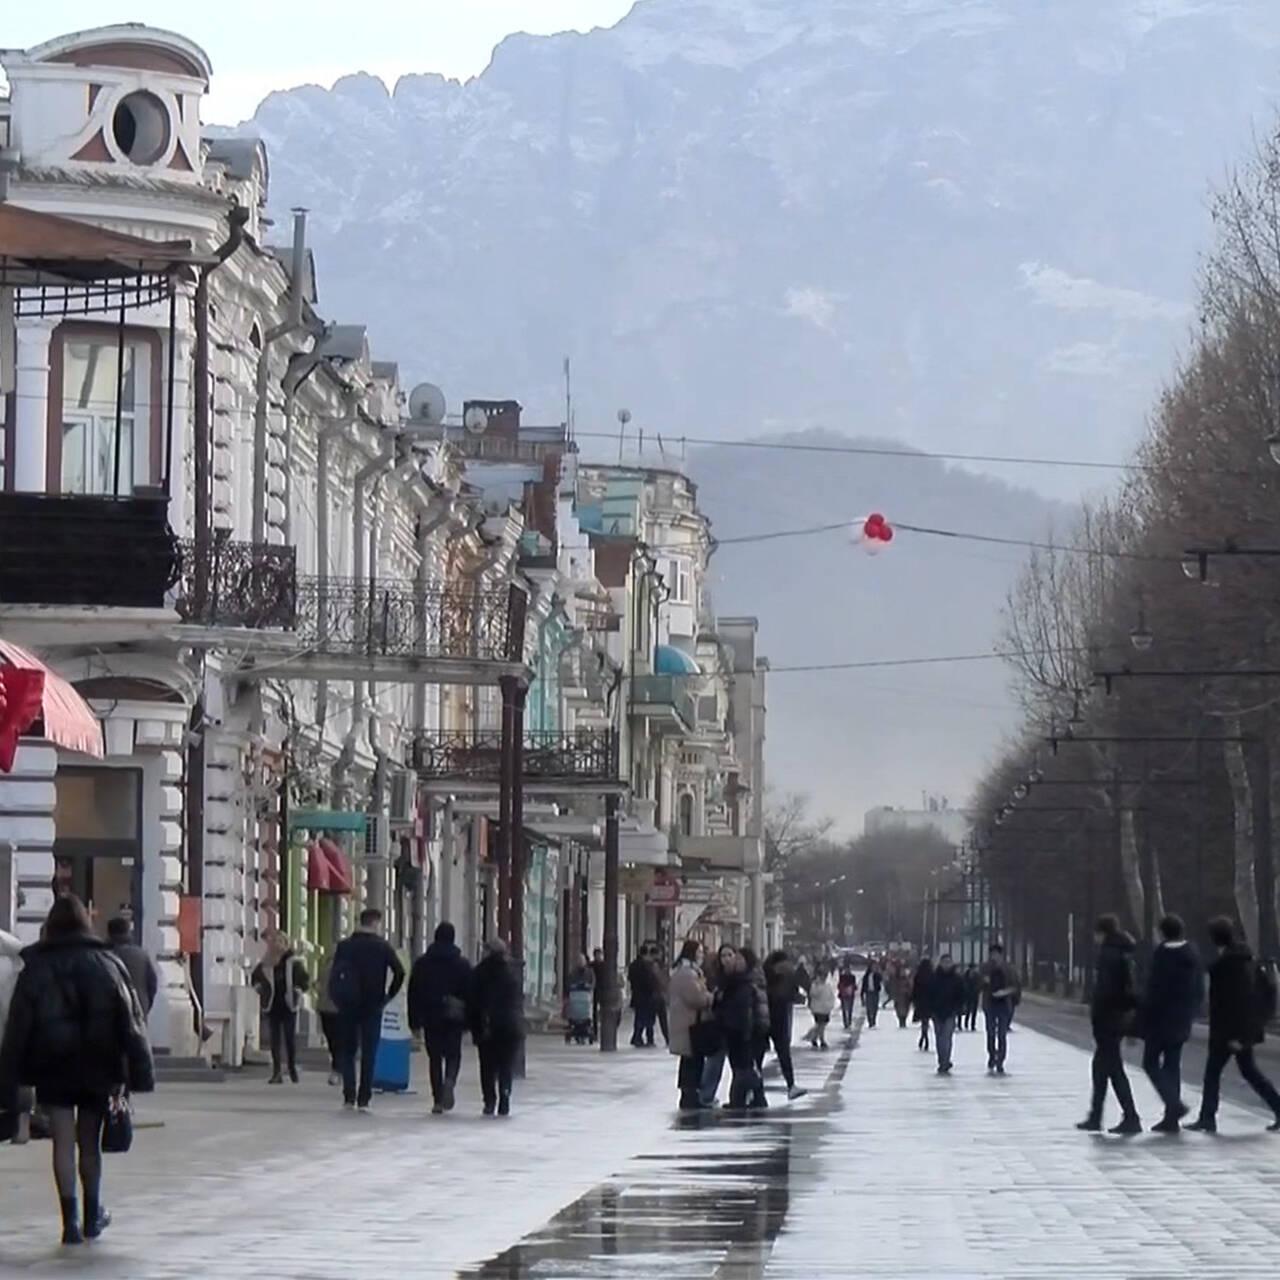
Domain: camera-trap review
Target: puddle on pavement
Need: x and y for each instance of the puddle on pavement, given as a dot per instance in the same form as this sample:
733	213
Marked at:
716	1200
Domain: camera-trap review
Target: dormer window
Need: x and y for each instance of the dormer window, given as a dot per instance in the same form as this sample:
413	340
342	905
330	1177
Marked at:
140	127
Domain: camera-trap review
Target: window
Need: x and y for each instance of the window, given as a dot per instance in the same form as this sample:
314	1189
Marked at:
678	580
686	814
140	127
89	443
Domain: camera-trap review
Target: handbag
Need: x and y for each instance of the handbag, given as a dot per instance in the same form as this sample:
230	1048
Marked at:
117	1125
704	1038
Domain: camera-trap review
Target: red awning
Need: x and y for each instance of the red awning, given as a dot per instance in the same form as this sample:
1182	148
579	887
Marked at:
319	878
61	715
341	877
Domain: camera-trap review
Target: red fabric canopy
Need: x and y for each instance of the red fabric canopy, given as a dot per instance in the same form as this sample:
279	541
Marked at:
21	698
319	879
341	877
65	716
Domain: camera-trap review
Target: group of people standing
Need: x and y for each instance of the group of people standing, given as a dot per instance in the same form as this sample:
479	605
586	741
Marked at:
1242	1000
730	1007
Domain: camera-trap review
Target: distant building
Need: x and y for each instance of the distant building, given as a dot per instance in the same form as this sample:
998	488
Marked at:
952	825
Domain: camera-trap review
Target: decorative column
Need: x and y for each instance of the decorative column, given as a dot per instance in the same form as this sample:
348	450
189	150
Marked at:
31	412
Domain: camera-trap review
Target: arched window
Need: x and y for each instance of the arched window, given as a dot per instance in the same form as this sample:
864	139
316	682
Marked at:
686	814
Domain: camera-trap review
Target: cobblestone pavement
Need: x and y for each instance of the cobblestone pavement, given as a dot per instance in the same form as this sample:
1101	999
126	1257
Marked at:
884	1172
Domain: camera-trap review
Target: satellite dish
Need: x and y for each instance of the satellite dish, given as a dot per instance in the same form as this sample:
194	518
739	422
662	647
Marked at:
475	420
426	404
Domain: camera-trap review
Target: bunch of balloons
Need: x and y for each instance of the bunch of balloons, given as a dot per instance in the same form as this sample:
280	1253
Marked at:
873	534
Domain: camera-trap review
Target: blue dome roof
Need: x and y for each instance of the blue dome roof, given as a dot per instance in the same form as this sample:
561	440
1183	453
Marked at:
670	661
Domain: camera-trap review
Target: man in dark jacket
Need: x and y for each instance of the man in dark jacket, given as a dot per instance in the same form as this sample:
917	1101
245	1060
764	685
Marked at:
736	1013
495	1012
142	972
643	982
1175	991
1237	1021
1000	985
438	987
1111	1014
945	999
358	987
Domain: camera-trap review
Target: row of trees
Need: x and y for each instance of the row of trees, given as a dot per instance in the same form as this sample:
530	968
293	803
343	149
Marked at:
1146	777
873	888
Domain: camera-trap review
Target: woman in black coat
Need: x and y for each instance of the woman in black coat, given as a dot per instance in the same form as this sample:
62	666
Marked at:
495	1012
77	1034
920	999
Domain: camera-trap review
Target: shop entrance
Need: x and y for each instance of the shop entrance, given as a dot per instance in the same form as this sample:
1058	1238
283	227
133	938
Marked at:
98	847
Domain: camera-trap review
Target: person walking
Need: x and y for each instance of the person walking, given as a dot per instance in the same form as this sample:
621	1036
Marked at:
847	990
330	1022
597	969
138	965
780	988
1241	1000
920	984
736	1014
1111	1014
945	1002
439	984
822	1004
75	1032
643	981
972	997
1174	994
495	1009
363	965
999	988
280	978
872	992
661	980
689	1009
902	983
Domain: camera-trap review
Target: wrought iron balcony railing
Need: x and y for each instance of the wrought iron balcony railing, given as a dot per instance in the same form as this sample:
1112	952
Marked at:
585	755
246	585
83	549
405	620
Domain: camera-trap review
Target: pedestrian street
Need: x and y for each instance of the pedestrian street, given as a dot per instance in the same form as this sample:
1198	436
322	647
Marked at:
885	1170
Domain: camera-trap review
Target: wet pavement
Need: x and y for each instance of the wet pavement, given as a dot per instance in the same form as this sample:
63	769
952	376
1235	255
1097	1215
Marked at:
709	1204
885	1170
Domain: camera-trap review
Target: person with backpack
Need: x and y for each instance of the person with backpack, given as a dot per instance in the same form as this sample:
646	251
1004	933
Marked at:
439	985
1175	991
1111	1014
1242	1000
358	987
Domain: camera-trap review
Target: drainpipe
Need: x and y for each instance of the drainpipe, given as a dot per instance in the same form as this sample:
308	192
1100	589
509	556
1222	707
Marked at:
290	324
324	439
434	514
237	219
301	366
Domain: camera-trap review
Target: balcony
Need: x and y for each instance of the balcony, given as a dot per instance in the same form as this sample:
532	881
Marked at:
722	853
247	585
399	632
663	701
554	763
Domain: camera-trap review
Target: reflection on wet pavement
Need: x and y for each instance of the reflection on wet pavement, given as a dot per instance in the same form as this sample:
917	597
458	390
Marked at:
710	1204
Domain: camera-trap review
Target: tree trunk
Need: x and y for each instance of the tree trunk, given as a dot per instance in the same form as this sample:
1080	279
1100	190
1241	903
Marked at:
1246	890
1130	870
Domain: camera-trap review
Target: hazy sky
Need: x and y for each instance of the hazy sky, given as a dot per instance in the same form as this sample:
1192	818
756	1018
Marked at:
272	45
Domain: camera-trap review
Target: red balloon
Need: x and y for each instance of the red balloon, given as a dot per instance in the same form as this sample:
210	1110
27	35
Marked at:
874	521
886	534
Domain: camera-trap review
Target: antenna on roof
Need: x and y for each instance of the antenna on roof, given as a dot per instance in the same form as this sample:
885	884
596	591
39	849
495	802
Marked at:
568	400
624	416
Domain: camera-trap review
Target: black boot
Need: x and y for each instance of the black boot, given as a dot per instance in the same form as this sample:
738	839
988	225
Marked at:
504	1104
96	1219
1091	1124
71	1233
1127	1127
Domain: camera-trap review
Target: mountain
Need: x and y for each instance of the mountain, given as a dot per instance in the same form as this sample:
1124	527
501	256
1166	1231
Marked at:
855	738
969	224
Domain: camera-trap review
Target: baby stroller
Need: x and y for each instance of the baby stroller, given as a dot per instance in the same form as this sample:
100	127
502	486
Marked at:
577	1016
